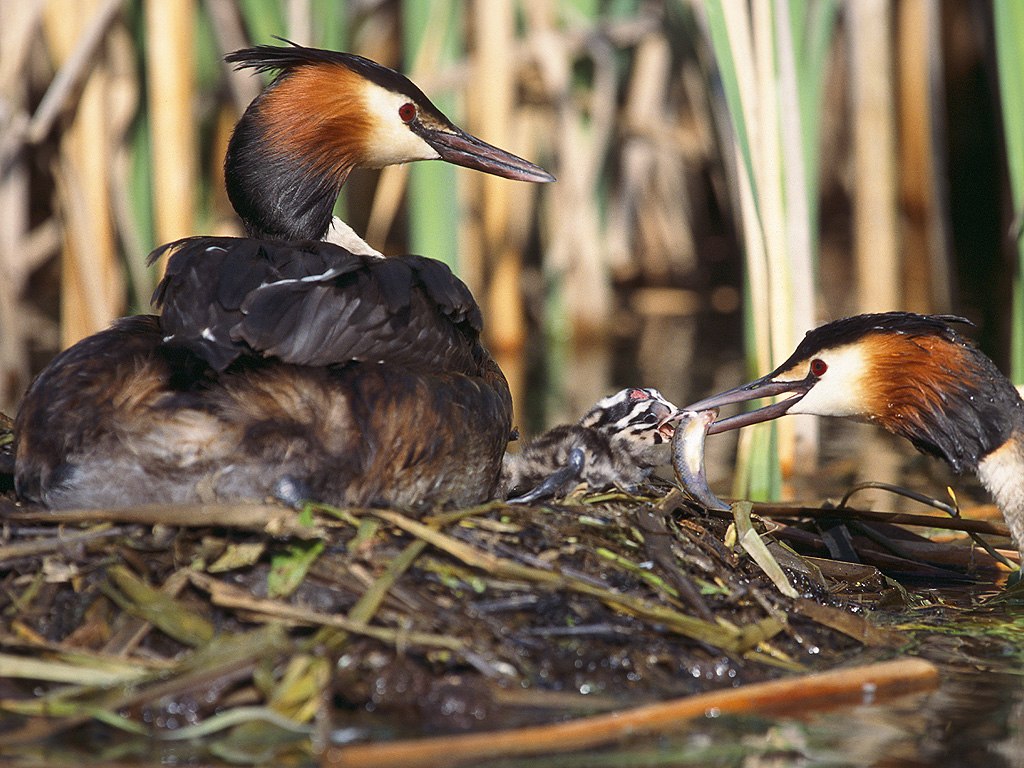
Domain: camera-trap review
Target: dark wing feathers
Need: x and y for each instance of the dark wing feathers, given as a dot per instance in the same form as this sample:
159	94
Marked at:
452	296
314	303
393	279
240	271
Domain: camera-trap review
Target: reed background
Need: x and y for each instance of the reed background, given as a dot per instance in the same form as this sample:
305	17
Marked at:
730	174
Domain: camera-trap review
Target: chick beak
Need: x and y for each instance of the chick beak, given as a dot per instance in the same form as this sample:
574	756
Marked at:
669	417
755	390
460	148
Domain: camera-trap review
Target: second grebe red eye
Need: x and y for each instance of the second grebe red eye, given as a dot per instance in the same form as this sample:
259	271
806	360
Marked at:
407	112
818	367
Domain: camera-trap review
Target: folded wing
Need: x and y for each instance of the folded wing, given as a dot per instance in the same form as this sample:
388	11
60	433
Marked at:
314	303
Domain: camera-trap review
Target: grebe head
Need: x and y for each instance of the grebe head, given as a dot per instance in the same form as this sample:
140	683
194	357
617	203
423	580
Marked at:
323	115
914	375
636	420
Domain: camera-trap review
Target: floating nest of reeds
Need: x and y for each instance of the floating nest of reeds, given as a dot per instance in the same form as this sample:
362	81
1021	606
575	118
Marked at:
250	633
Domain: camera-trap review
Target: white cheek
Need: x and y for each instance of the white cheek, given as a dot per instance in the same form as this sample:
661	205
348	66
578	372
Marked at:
840	391
391	141
828	401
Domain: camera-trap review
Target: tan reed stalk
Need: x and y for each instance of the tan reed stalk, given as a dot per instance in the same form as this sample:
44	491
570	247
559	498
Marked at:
20	20
498	253
92	291
924	231
171	91
876	234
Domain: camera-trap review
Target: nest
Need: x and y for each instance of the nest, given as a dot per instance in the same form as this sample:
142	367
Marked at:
250	631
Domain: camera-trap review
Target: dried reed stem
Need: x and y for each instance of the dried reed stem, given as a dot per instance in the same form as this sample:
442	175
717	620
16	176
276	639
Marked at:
169	78
925	247
876	237
92	284
844	687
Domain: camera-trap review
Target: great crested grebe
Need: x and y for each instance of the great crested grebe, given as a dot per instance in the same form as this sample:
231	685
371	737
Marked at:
915	376
283	365
616	443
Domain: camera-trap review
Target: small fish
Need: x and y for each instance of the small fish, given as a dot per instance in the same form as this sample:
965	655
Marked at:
688	456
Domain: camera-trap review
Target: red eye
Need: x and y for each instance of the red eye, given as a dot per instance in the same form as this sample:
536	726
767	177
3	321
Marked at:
818	367
407	112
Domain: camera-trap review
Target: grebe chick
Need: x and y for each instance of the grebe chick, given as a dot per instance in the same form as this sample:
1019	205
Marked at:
617	443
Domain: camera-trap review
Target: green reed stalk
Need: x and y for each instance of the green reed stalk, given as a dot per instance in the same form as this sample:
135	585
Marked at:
431	36
771	61
263	20
1009	24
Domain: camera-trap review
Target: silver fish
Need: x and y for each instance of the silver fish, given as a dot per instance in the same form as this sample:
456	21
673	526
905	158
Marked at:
688	456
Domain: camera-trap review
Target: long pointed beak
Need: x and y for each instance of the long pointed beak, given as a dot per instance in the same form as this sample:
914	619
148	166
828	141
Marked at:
755	390
460	148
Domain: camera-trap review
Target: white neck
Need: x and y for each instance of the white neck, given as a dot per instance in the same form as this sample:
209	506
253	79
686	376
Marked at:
342	234
1002	474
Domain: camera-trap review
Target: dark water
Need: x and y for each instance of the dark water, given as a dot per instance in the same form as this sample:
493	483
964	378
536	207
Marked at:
974	718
